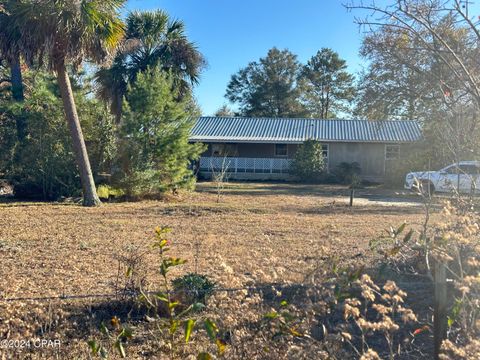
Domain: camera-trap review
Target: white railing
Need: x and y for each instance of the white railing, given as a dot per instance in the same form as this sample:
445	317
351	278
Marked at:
245	165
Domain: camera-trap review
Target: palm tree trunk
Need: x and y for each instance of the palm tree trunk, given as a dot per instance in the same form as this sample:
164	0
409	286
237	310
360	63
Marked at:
17	93
90	197
16	78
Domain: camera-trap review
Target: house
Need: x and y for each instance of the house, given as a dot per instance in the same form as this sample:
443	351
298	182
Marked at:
263	148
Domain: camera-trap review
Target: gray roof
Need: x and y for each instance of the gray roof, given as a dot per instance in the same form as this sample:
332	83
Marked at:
284	130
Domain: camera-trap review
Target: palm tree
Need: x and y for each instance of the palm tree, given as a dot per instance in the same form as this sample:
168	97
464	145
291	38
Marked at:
67	32
10	50
151	40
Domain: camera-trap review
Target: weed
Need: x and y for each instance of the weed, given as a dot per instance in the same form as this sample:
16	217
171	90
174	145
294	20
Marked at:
166	303
115	338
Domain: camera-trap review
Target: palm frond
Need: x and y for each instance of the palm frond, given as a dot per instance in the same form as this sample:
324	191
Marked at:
70	30
152	40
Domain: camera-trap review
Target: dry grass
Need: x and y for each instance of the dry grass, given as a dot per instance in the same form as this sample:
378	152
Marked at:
255	234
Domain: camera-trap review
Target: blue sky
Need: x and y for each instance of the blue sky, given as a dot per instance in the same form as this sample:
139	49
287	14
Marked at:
231	33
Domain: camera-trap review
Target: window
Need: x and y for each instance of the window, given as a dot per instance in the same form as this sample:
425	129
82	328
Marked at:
223	150
463	169
325	152
325	155
469	169
281	150
451	169
392	152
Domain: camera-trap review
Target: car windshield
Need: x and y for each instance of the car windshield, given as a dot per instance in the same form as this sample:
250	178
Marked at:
472	169
447	169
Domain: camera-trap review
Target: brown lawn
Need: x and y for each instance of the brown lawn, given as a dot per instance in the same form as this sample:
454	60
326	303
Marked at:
253	234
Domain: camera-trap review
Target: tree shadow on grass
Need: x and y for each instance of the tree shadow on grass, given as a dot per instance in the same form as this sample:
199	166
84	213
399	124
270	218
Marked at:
344	209
275	189
11	201
88	315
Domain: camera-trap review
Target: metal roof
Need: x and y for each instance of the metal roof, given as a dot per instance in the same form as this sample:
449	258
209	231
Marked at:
288	130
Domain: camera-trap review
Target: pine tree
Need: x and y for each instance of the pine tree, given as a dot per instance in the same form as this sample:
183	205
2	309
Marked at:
309	163
328	88
268	87
155	152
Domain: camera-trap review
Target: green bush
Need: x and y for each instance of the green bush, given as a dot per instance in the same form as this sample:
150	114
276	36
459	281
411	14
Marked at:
171	308
193	288
42	165
106	192
309	163
348	173
7	141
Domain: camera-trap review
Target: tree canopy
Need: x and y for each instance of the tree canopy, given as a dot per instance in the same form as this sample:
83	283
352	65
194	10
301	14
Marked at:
328	88
42	164
224	111
268	87
280	86
152	75
423	57
152	40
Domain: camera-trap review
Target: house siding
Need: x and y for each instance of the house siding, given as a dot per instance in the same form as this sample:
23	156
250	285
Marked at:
250	142
370	156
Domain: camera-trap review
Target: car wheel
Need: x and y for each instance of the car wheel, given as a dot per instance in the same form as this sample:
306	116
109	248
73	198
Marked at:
428	189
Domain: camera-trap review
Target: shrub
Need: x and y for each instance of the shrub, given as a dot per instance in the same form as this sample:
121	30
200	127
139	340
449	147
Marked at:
348	173
412	158
41	165
309	163
106	192
452	243
387	305
114	339
193	288
7	141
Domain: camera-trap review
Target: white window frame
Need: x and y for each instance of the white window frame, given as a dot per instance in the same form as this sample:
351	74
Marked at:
326	154
396	146
275	151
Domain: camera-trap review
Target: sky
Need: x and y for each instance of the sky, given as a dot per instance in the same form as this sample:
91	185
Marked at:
232	33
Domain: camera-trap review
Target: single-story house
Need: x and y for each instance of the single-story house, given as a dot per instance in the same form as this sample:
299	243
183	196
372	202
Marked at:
263	148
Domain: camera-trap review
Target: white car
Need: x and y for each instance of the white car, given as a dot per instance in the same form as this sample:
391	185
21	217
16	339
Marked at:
462	177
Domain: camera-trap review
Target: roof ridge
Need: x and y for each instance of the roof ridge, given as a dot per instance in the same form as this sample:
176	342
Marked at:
303	118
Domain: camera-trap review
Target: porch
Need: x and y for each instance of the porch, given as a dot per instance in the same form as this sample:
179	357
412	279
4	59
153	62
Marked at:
245	168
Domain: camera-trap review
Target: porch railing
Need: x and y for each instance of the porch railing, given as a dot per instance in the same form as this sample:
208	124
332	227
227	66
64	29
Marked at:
245	165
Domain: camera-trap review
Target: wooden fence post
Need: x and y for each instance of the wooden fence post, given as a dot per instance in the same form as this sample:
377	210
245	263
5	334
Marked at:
352	195
440	307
